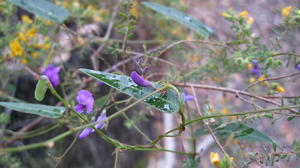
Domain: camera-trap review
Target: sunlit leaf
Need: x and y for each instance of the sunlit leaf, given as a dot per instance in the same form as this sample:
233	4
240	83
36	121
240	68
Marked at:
168	101
38	109
182	18
44	9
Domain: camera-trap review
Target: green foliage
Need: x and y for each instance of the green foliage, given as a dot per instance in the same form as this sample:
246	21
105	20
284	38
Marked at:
167	101
182	18
296	148
40	90
37	109
44	9
242	132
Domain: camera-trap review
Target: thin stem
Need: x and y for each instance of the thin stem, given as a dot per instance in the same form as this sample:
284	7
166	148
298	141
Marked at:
116	158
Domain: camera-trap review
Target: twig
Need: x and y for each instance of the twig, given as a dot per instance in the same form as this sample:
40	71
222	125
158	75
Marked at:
270	79
106	37
233	91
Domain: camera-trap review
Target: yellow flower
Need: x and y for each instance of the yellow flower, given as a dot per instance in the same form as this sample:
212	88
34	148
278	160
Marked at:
26	19
244	14
48	23
224	111
16	48
31	32
286	12
262	77
224	14
252	80
215	159
135	9
103	11
23	37
250	66
46	38
80	40
97	18
250	21
38	45
46	46
24	61
35	54
279	89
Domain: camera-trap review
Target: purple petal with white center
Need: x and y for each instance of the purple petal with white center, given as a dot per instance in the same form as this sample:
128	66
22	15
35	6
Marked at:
79	108
140	80
87	131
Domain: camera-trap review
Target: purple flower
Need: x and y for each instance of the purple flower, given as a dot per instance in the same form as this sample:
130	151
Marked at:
99	83
85	100
140	80
187	97
255	70
102	117
52	73
297	67
87	131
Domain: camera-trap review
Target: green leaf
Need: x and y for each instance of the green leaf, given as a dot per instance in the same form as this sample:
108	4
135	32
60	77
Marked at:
242	132
182	18
168	102
40	90
44	9
38	109
296	148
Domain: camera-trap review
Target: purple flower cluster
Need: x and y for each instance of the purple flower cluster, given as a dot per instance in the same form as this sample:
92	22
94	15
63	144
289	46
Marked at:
87	131
52	72
139	80
85	101
255	70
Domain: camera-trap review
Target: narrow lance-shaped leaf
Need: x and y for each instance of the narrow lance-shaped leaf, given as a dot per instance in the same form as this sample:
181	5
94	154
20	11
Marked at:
38	109
44	9
167	101
182	18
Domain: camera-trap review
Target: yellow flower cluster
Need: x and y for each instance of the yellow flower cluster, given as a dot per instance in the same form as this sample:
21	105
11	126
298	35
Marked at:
286	11
245	15
135	9
26	43
16	48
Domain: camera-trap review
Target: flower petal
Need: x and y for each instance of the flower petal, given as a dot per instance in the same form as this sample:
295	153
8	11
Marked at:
140	80
87	131
79	108
52	73
89	104
188	97
83	95
102	117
